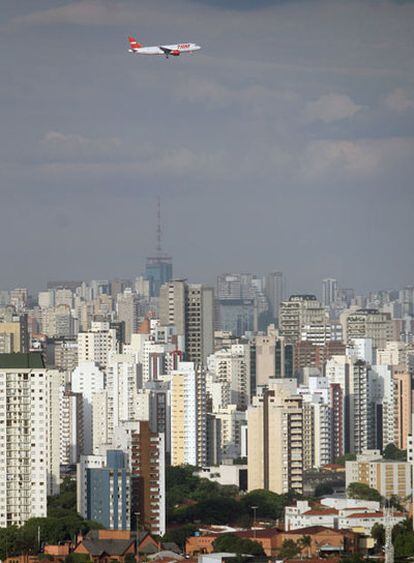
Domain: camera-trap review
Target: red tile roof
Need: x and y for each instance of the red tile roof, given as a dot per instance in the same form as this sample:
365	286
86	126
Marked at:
321	512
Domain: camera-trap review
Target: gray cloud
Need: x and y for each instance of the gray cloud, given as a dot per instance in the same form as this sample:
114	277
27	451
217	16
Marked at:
399	100
331	107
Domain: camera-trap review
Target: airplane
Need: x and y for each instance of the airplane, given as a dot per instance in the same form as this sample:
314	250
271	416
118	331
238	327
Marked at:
166	50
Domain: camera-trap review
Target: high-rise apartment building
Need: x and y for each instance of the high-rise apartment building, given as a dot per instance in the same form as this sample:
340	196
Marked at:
154	405
16	328
190	307
95	345
70	425
188	415
276	439
359	395
146	458
231	421
104	489
63	353
403	405
297	312
368	323
232	366
87	379
18	298
121	385
29	437
128	306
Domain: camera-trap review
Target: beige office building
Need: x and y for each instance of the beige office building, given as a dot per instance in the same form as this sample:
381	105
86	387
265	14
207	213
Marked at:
368	323
16	336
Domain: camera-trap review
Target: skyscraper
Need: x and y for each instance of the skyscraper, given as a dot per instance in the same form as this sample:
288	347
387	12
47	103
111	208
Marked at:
329	291
274	290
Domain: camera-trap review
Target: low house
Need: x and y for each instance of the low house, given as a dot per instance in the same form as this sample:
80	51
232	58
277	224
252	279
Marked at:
329	512
104	545
362	522
323	541
203	543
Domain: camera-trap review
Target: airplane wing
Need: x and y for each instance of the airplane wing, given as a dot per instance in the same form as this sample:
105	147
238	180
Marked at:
166	50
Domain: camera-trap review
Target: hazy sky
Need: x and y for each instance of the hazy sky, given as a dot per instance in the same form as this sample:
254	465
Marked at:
287	143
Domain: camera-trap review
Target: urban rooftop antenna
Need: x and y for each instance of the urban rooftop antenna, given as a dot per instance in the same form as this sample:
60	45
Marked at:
159	232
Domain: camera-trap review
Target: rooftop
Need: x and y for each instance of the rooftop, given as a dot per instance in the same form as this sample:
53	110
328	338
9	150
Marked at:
20	360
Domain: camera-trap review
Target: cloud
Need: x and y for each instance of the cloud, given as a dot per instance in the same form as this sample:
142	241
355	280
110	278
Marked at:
244	4
108	13
218	94
399	100
82	12
350	159
58	145
331	107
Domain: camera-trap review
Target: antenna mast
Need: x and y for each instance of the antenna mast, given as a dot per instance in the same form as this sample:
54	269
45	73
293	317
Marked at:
159	234
388	547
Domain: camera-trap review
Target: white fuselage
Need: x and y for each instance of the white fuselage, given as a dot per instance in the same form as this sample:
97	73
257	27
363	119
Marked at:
167	49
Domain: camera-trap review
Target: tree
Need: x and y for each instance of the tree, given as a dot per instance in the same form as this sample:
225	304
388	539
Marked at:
269	504
403	539
343	458
305	542
289	549
234	544
392	452
378	534
363	491
323	489
180	535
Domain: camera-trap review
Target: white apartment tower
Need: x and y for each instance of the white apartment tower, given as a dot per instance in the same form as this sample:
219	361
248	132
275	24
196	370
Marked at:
87	379
232	366
188	416
121	385
95	345
29	437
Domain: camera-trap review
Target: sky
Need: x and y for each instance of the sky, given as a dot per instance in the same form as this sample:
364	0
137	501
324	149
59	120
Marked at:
286	143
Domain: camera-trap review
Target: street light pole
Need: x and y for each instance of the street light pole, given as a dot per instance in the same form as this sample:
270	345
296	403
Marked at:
254	508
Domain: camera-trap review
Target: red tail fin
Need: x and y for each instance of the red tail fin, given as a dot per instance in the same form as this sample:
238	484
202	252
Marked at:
134	43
